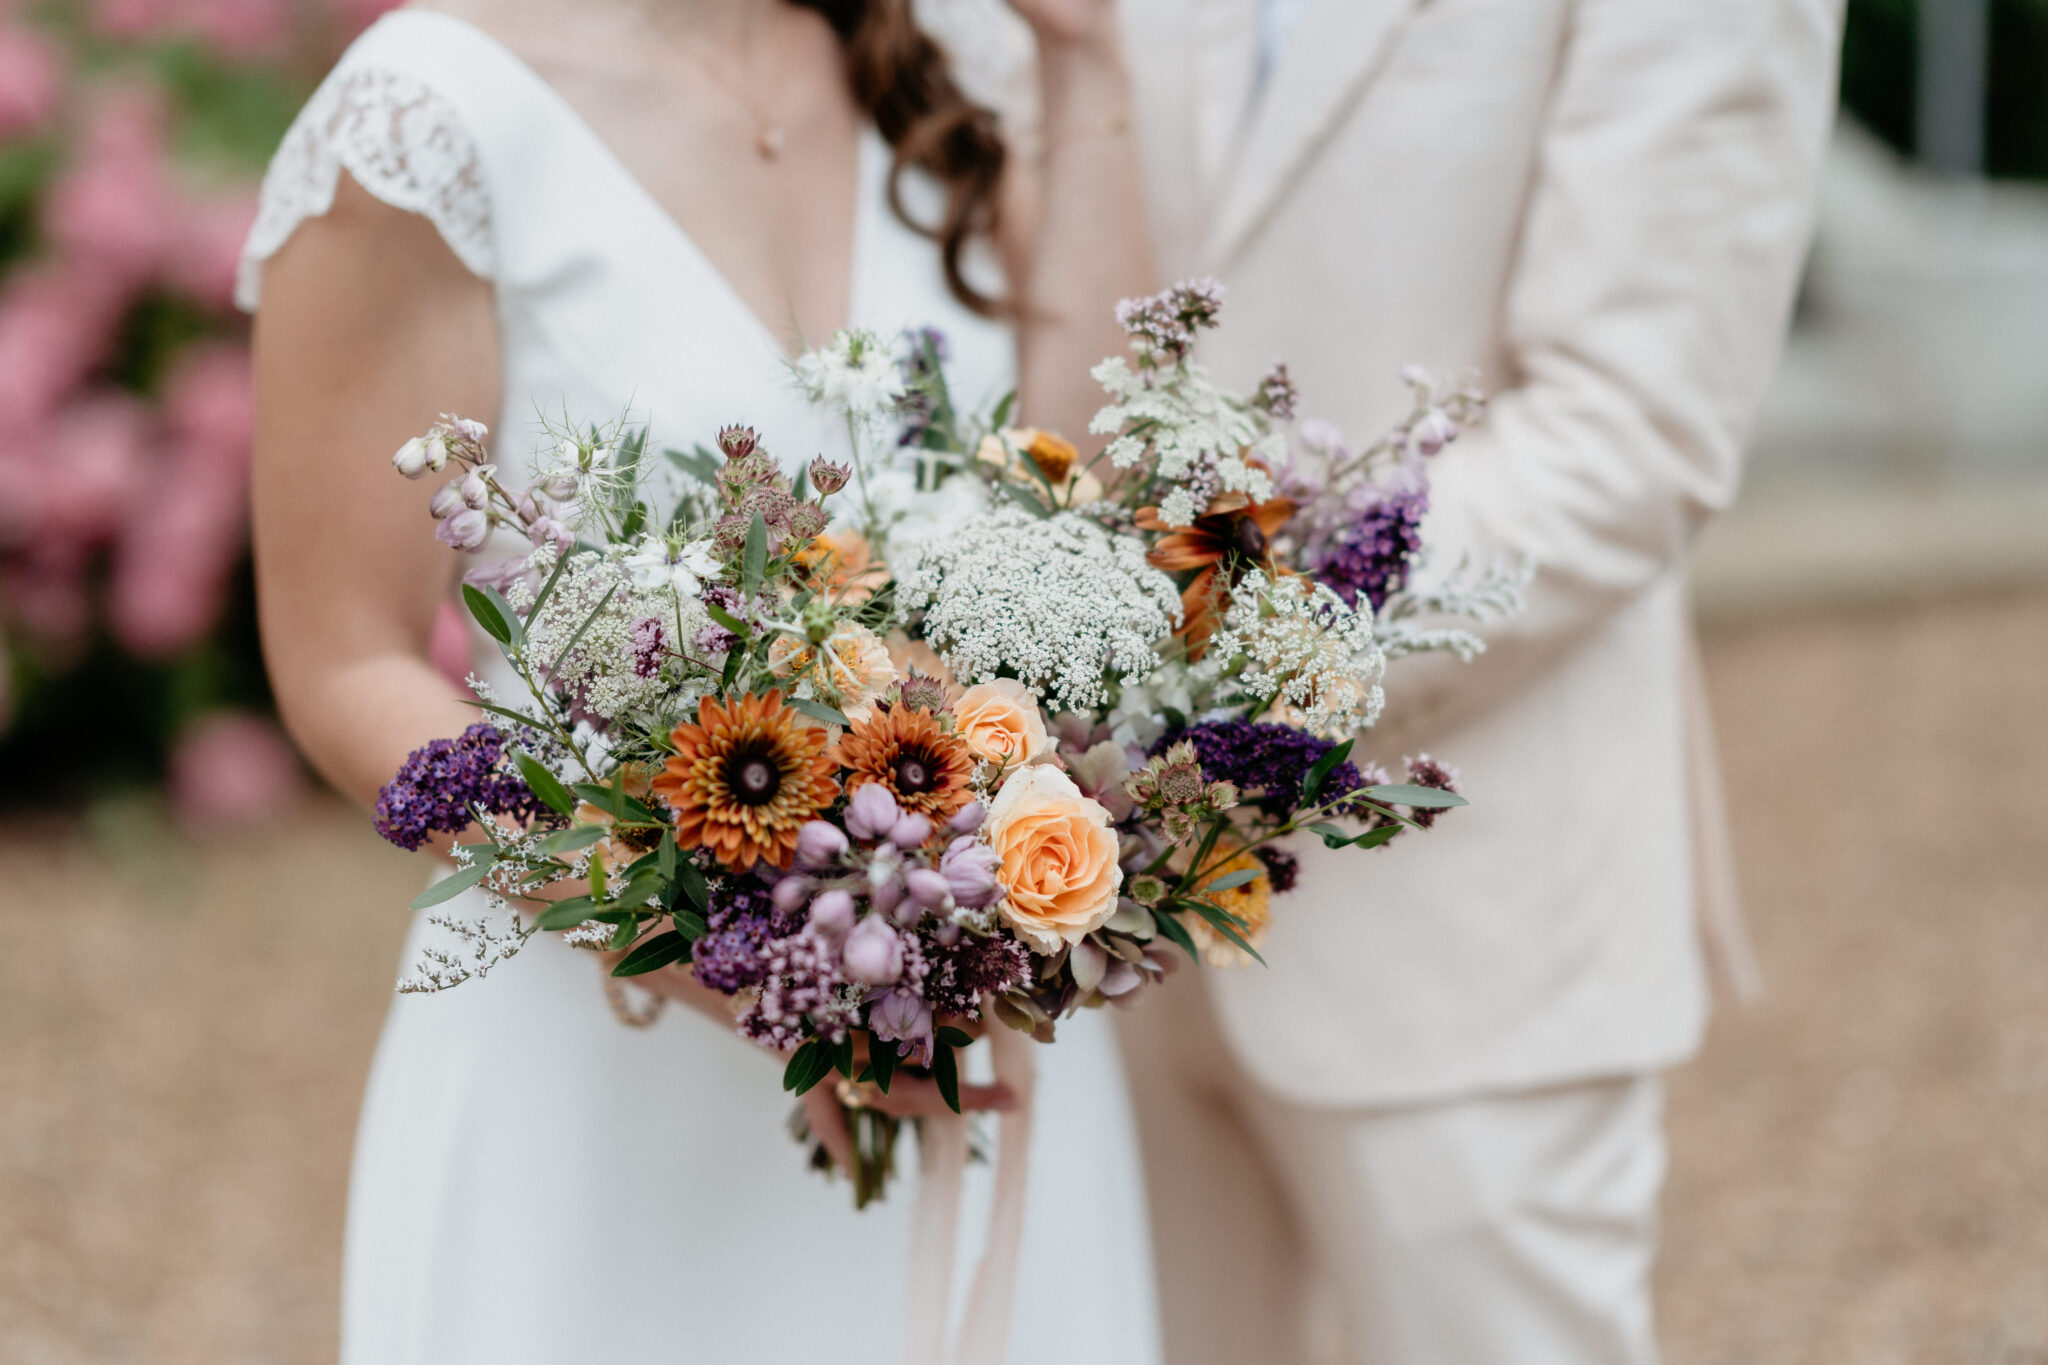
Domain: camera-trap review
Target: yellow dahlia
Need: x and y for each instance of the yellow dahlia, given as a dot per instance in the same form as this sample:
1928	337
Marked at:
1252	903
745	778
904	750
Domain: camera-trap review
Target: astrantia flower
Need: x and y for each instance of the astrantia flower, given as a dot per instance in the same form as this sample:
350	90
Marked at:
905	751
745	778
1057	602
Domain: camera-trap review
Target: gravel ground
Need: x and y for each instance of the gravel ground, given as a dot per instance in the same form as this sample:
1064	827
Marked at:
1859	1174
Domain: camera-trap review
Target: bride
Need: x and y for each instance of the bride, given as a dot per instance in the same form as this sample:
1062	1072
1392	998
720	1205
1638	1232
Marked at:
509	208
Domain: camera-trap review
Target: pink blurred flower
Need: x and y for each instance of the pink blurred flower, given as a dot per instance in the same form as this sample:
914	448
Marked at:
171	566
448	649
56	324
357	15
209	406
45	596
134	20
114	208
232	768
94	469
206	248
31	80
240	28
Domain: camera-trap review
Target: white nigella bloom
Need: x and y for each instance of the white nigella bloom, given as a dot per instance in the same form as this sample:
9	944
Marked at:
854	374
1296	642
1057	602
659	561
1139	716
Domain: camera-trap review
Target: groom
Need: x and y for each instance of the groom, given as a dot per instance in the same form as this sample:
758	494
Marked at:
1431	1133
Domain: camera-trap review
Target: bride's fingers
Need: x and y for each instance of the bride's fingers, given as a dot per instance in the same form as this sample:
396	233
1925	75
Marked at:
913	1097
828	1125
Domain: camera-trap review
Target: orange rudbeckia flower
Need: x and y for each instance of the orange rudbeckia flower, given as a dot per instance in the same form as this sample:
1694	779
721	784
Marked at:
1235	530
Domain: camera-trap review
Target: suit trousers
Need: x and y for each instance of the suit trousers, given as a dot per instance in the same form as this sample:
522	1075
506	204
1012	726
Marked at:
1500	1229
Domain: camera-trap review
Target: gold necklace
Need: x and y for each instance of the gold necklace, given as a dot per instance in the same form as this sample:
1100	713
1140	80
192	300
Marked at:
769	136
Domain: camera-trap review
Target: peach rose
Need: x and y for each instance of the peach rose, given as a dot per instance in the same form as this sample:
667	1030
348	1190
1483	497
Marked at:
1058	859
1000	722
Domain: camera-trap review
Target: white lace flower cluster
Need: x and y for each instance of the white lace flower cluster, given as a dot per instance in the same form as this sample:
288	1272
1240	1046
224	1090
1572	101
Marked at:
1057	602
584	632
855	374
1194	435
1295	641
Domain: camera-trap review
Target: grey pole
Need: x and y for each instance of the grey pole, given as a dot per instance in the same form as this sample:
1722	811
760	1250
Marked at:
1954	73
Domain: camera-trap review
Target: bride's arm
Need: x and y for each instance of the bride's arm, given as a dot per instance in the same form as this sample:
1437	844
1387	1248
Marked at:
369	329
1075	235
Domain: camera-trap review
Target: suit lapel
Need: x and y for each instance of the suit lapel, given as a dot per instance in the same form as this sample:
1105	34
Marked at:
1336	50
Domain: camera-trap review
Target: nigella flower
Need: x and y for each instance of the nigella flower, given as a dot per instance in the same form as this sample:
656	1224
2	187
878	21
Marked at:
1372	555
1266	762
440	782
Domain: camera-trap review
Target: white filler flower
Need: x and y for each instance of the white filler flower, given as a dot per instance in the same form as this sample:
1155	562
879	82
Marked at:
1058	602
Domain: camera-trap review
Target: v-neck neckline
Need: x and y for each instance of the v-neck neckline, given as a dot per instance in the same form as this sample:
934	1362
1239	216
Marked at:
865	160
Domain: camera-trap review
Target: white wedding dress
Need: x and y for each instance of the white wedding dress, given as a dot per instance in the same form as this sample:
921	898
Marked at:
536	1183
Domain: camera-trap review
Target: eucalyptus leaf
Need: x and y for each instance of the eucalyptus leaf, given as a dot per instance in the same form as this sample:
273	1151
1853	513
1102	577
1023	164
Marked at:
728	620
754	560
946	1073
1234	880
1373	838
654	954
817	710
881	1061
545	784
1176	932
799	1065
1227	925
486	613
513	622
571	839
565	914
1318	772
451	886
540	599
690	924
665	856
691	883
1414	797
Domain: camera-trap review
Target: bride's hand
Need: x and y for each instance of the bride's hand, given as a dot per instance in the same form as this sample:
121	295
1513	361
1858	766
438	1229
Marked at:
1067	23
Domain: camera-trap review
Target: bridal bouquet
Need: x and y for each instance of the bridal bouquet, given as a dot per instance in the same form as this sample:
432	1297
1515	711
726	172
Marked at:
965	725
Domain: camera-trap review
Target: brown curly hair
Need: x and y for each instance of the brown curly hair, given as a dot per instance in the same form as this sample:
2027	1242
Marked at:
901	80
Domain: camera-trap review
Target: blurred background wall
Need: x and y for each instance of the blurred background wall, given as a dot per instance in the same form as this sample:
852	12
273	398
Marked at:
1858	1175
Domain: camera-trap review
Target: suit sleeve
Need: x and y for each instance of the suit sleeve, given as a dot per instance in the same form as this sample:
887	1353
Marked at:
1661	245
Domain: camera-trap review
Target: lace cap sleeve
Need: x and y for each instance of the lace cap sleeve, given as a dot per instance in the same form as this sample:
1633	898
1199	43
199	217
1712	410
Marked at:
397	139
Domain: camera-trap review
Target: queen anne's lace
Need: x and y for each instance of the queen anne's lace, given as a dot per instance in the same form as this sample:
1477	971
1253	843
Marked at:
398	140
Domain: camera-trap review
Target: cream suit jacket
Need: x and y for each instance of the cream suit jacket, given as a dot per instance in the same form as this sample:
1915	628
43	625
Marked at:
1602	207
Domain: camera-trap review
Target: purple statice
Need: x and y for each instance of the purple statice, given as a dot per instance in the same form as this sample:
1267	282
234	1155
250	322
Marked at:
443	783
1424	771
961	968
731	955
647	640
1283	869
1265	761
1371	555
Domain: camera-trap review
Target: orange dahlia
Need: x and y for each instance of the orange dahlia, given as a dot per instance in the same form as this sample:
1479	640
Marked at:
745	778
904	749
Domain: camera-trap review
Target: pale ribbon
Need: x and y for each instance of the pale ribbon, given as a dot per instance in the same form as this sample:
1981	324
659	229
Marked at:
984	1336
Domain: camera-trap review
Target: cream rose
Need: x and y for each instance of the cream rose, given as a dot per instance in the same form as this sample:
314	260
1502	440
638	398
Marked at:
1058	858
1000	723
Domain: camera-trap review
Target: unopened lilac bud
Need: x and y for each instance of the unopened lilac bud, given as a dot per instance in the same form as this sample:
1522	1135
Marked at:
832	912
874	953
828	478
466	530
885	888
1435	431
871	812
967	819
411	458
927	888
969	868
819	845
447	500
476	487
910	832
789	895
